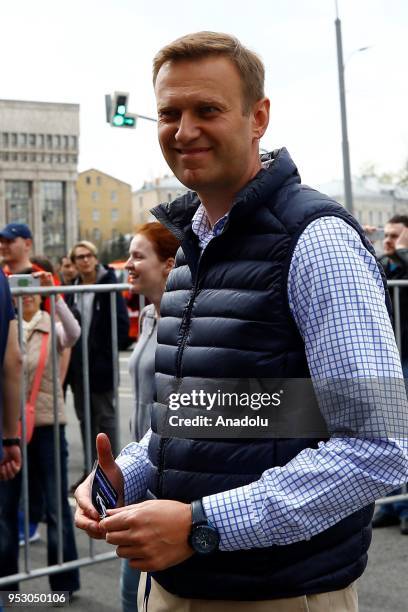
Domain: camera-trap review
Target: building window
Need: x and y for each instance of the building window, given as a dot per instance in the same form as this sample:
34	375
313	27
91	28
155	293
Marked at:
5	156
96	234
52	206
31	140
5	139
57	142
23	157
114	196
32	157
98	181
88	180
49	141
14	139
22	140
96	215
115	214
40	140
13	156
95	196
73	142
65	138
18	201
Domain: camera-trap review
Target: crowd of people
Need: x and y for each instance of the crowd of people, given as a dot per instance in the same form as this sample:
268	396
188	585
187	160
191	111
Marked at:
272	280
151	257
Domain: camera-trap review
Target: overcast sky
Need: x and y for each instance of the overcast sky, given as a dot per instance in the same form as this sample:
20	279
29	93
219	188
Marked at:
78	50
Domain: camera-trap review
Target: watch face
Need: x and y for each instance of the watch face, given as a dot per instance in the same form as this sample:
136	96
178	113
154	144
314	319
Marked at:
204	539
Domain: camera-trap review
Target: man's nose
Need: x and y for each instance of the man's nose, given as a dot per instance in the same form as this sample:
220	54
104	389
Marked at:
188	128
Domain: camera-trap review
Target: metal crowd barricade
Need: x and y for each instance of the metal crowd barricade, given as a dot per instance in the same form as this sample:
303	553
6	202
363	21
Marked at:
18	293
92	558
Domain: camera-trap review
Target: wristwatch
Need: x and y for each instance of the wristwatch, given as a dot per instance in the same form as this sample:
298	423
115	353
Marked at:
11	441
203	538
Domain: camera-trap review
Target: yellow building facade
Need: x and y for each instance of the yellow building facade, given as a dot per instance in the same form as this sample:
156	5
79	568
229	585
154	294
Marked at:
104	207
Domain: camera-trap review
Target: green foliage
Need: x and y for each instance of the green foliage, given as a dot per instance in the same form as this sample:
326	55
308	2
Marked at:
114	250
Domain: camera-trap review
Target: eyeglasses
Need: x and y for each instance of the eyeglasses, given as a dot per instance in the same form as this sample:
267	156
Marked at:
84	256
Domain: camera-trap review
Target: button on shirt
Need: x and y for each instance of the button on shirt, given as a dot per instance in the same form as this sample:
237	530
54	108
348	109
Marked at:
344	338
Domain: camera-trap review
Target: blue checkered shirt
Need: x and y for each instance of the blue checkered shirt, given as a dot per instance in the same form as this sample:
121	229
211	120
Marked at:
336	297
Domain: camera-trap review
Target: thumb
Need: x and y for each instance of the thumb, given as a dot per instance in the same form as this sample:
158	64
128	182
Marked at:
104	450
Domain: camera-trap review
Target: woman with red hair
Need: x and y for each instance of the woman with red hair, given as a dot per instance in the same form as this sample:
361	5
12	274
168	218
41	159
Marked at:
151	257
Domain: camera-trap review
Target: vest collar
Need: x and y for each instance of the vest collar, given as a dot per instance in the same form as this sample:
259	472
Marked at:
177	215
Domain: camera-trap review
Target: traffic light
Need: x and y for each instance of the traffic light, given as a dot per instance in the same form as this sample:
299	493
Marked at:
119	117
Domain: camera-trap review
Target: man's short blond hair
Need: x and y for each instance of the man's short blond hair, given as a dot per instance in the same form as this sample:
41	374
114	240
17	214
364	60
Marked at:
86	245
204	44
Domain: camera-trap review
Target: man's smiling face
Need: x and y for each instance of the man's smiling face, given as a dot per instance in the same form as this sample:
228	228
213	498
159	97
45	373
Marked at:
206	139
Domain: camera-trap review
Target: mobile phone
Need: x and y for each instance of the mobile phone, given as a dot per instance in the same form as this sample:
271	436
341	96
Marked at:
103	493
19	281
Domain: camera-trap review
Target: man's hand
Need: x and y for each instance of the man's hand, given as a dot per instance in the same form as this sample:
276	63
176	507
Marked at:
153	534
86	516
10	465
369	229
402	242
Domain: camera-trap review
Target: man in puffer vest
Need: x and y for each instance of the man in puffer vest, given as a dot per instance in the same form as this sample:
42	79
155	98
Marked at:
273	281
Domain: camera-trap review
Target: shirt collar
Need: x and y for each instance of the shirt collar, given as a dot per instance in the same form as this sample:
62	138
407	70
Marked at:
201	226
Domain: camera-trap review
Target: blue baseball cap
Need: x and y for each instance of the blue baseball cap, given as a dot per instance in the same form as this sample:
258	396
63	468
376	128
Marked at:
16	230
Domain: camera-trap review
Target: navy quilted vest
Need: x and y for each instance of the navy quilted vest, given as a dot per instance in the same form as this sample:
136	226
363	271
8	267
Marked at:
225	315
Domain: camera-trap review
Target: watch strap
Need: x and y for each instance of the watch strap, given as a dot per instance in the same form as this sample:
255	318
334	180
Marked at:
11	441
198	516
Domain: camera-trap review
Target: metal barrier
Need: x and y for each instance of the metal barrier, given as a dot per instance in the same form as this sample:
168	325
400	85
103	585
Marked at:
28	573
18	293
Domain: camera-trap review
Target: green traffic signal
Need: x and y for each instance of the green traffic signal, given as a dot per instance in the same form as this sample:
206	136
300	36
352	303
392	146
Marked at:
118	120
117	111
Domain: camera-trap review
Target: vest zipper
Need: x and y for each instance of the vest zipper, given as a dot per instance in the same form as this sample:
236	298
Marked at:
185	322
186	319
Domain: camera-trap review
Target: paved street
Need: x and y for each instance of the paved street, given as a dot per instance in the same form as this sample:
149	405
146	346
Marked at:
383	587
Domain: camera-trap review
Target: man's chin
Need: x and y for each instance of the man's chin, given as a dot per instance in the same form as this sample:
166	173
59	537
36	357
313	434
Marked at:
192	178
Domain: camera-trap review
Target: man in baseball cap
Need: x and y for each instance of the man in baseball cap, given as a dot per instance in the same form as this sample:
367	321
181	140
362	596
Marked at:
16	241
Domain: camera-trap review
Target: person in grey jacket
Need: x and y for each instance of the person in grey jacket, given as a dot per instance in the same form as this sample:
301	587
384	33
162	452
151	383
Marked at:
151	257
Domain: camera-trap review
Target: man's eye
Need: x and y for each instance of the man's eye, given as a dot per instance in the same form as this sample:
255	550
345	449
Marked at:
208	110
167	115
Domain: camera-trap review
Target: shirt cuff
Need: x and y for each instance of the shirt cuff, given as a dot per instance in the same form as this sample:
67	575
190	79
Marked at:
237	523
134	478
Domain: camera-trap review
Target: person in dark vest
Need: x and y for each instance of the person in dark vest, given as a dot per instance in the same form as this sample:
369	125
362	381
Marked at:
273	280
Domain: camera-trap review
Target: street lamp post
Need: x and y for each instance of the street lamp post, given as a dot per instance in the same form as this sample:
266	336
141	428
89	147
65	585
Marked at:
348	192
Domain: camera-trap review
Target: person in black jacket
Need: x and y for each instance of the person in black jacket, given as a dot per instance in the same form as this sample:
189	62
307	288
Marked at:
395	263
94	312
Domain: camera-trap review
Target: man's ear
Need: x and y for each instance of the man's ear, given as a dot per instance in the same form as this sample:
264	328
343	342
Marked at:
260	116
